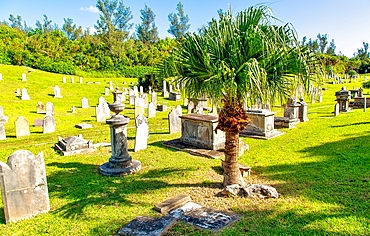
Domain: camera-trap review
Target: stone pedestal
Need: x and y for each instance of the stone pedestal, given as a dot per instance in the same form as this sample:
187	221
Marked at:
120	163
343	96
198	130
302	110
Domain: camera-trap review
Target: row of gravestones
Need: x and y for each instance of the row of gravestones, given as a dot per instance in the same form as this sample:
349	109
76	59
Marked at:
64	80
23	94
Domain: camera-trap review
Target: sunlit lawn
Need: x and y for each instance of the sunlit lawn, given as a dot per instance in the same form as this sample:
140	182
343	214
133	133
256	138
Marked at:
321	168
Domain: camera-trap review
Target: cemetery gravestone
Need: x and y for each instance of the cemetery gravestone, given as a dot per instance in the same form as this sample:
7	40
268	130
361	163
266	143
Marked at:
139	106
1	76
50	108
84	102
164	91
136	93
49	124
2	131
24	77
25	95
38	122
106	91
142	131
81	80
21	127
336	109
24	186
57	92
154	98
99	112
191	107
72	79
64	80
174	121
40	108
111	85
141	90
151	110
73	109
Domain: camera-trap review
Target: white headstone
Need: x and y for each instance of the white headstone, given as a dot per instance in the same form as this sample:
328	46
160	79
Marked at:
2	131
64	80
142	131
106	91
73	109
99	112
139	106
24	77
49	124
1	76
136	93
111	85
25	95
151	110
174	122
191	106
49	108
336	109
81	80
21	127
57	92
85	102
72	79
141	90
132	99
154	98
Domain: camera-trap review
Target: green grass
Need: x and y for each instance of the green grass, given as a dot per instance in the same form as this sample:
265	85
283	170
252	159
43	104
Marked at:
321	168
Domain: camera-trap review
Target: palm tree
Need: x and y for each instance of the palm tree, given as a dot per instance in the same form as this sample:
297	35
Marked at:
233	58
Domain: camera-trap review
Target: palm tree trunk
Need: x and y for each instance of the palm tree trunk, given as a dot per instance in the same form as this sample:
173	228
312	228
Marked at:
232	173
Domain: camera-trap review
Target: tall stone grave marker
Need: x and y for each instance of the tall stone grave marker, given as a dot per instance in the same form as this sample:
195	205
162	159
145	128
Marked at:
174	121
151	110
84	102
40	108
336	109
25	95
99	113
49	108
24	77
142	131
146	102
3	120
111	85
49	124
139	106
72	80
154	98
105	106
24	186
64	80
164	91
106	91
132	97
191	107
57	92
21	127
81	80
141	90
136	93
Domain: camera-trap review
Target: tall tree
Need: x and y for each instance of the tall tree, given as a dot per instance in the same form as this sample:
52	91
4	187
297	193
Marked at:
72	31
113	24
178	22
234	57
323	42
147	31
331	48
15	22
46	27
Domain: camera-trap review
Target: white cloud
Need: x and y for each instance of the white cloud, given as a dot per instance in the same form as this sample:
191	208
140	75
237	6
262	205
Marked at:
90	9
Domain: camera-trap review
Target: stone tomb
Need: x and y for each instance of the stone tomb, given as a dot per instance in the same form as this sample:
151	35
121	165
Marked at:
40	108
261	125
343	96
24	186
174	96
142	133
174	120
21	127
48	124
74	145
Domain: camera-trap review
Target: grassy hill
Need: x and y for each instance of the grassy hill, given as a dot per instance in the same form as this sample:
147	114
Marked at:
321	168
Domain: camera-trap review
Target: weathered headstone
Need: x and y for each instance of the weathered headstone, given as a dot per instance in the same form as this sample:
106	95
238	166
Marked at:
64	80
24	77
2	131
81	80
84	103
142	131
38	122
99	112
145	97
72	79
21	127
164	90
24	186
3	117
25	95
111	85
40	108
141	90
139	106
49	108
136	93
106	91
186	102
174	121
154	98
191	107
74	145
49	124
142	225
57	92
151	110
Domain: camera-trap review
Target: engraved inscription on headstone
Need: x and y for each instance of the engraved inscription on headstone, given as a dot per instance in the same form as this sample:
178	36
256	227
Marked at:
24	186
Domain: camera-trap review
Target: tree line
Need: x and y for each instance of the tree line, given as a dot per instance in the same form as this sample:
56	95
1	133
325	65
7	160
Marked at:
334	63
111	51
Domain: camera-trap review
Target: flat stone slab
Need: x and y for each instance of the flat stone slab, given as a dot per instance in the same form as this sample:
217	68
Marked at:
285	122
177	144
83	126
172	203
147	226
256	135
203	217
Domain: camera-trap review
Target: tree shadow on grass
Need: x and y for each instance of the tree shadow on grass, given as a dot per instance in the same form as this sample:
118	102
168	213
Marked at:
341	178
81	185
358	123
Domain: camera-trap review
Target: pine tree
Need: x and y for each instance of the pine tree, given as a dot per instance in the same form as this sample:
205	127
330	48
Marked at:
147	31
178	22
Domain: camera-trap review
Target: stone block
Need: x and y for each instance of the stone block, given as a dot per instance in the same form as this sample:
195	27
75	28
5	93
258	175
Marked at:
172	203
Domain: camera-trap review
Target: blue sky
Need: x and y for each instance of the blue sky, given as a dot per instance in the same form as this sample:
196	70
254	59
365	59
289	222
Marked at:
347	22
